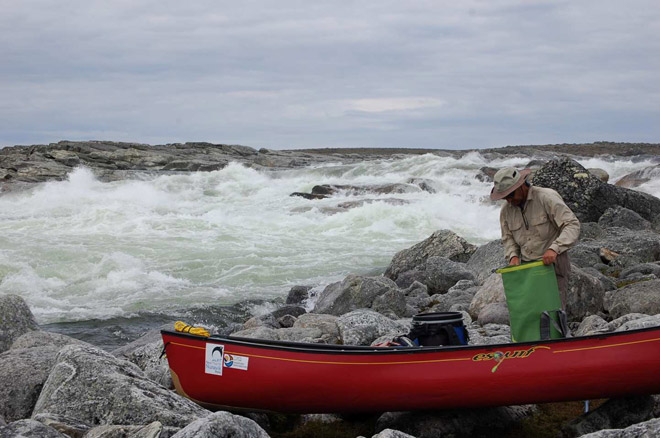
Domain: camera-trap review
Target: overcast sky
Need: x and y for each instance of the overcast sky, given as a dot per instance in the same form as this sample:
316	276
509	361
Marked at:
301	74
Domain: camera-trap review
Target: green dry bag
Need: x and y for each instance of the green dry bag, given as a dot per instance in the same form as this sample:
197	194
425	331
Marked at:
531	289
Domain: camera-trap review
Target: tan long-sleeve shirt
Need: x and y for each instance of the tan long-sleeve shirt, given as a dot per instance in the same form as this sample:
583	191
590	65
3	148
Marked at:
545	223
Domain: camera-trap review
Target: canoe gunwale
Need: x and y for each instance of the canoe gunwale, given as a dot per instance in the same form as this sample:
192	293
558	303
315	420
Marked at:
302	347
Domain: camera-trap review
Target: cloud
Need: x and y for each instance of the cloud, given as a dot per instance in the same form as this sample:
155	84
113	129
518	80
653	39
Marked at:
300	74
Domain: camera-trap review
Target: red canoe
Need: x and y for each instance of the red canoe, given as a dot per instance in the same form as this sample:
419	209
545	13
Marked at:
238	373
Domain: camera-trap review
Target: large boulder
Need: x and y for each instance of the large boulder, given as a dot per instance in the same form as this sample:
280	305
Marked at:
622	217
589	197
326	324
455	423
486	258
15	319
585	295
442	273
92	387
443	243
639	297
222	425
639	177
613	414
20	388
492	291
29	428
363	326
457	298
354	292
647	429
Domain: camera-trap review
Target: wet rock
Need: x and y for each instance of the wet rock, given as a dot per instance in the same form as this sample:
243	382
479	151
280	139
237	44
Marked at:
456	423
222	425
623	217
354	190
292	310
492	291
267	320
354	292
486	258
494	313
613	414
640	297
428	185
92	387
639	177
363	326
28	428
308	195
15	320
443	243
589	197
286	321
298	295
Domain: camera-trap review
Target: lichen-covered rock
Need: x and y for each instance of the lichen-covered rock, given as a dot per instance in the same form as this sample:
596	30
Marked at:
95	388
622	320
443	243
363	326
640	297
28	428
354	292
391	433
222	425
146	353
15	320
589	197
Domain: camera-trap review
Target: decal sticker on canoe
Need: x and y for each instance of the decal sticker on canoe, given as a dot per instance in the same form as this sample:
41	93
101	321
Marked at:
499	356
236	362
214	359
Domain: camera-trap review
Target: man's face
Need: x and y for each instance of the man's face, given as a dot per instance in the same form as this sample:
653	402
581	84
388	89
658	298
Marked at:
517	197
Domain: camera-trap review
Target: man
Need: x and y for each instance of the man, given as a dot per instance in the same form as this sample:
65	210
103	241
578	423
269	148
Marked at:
536	224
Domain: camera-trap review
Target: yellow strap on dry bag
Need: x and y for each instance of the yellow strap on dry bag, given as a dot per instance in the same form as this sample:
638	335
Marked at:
182	327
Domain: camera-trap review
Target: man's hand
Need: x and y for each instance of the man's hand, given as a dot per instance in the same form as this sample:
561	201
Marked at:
514	261
549	257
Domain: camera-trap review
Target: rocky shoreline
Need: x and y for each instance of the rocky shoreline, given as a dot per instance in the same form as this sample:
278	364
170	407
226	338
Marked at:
56	385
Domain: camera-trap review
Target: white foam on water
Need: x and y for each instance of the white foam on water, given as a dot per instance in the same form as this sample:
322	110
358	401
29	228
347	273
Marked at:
85	249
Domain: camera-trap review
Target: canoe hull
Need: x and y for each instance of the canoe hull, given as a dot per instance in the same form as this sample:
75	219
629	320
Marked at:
306	378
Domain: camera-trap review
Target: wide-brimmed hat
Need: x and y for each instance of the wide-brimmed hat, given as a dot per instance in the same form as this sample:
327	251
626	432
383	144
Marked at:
506	181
